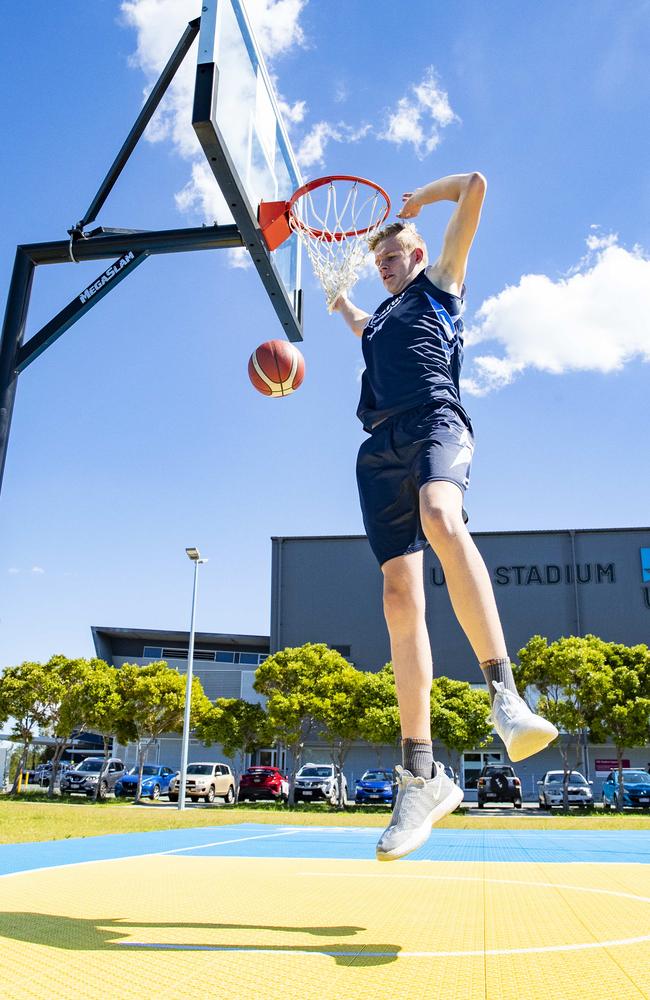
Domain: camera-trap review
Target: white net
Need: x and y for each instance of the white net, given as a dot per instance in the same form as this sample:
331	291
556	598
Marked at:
334	222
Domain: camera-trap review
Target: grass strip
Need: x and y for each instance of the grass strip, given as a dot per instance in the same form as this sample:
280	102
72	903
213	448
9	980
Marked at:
23	820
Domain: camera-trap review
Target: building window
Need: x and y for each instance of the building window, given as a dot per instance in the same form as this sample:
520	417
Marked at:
474	762
223	656
155	652
250	658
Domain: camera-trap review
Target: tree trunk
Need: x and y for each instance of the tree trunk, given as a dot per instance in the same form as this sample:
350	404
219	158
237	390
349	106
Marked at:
104	770
59	750
21	768
621	785
142	750
564	750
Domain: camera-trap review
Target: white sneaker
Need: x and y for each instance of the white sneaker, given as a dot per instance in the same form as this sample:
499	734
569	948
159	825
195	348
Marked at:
523	732
420	804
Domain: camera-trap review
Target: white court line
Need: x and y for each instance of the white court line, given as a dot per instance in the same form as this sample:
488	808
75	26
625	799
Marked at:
361	953
218	843
129	857
472	878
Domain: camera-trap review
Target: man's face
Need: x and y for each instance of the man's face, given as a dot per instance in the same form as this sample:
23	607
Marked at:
397	266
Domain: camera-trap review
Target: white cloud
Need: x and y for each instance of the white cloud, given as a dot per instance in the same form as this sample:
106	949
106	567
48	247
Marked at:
38	569
13	570
596	319
418	117
159	25
311	151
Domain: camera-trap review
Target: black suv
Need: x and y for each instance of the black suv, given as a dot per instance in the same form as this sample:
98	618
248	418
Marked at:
499	783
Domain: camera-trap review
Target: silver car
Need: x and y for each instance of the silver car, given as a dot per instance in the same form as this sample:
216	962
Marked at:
205	780
550	790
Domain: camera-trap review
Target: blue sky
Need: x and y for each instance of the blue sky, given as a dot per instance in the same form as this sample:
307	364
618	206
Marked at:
138	433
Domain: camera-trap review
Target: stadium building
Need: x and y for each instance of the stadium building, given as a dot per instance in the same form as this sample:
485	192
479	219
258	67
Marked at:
328	589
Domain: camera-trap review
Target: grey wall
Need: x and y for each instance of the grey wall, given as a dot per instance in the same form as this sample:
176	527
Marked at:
553	583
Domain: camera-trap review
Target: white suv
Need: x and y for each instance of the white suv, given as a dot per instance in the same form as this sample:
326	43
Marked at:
318	781
205	780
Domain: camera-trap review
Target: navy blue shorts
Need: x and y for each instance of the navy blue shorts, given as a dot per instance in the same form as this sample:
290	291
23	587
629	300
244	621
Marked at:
426	445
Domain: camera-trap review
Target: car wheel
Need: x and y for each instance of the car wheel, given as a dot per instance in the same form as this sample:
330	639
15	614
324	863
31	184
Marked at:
481	804
229	797
173	797
155	792
518	804
606	805
210	796
242	798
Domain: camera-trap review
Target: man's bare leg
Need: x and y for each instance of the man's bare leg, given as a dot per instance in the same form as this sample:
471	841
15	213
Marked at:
404	607
472	598
468	582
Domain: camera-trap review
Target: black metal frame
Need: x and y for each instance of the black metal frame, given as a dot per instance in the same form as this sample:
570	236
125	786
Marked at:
130	246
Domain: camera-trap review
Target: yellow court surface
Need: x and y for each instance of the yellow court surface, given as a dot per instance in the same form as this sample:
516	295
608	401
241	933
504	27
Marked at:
202	921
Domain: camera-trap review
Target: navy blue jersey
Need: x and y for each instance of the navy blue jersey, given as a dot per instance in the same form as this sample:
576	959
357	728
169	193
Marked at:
413	350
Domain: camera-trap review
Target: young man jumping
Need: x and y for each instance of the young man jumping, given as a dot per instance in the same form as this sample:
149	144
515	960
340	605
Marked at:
412	473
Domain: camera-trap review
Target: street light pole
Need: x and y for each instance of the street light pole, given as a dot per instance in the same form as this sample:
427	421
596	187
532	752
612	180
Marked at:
192	554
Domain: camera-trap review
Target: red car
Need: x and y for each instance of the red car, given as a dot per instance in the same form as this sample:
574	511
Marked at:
263	783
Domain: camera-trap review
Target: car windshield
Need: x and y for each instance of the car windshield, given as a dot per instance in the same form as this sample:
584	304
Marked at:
315	772
199	769
90	765
575	778
148	769
636	778
377	776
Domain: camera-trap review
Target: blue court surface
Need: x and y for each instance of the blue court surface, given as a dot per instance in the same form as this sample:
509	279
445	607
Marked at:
265	912
336	843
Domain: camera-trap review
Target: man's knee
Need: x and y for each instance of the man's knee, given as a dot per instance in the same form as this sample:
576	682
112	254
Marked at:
442	517
403	597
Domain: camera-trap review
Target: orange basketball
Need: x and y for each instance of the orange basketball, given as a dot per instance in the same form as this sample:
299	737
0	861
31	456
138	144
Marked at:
276	368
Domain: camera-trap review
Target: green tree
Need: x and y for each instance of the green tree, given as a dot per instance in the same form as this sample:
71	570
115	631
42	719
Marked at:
24	697
70	686
459	716
287	679
239	726
619	699
341	699
558	673
152	704
102	709
380	724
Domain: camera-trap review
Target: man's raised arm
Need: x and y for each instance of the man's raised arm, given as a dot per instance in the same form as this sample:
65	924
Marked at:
468	190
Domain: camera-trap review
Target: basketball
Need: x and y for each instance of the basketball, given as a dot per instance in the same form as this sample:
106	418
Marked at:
276	368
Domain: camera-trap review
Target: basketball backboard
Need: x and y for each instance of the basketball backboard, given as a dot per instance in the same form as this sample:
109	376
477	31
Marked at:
239	125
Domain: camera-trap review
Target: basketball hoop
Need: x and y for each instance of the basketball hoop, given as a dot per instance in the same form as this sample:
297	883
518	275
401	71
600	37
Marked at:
333	217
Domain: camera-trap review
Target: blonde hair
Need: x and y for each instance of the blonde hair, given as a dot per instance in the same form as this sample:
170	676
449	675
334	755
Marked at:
405	232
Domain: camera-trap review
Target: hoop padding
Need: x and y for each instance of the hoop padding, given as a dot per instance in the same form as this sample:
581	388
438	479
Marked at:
334	216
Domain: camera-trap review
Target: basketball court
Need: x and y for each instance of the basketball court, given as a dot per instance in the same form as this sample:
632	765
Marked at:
285	912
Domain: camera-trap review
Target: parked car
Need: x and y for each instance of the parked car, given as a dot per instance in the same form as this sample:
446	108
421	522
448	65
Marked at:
84	777
550	790
316	782
499	783
263	783
43	772
205	780
373	787
636	789
155	781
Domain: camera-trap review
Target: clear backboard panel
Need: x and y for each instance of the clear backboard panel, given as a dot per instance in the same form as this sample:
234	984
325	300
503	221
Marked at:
238	122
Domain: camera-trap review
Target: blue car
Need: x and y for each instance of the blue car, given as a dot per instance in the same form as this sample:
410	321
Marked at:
155	781
373	787
636	789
